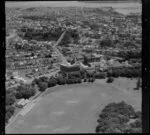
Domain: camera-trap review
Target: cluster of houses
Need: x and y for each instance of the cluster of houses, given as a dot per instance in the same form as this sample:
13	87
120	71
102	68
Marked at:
92	25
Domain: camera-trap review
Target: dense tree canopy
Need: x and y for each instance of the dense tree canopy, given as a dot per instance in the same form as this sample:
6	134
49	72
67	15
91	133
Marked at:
25	91
9	111
10	99
124	72
42	86
115	118
106	43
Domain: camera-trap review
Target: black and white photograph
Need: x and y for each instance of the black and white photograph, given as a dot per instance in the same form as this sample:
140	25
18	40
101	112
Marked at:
73	67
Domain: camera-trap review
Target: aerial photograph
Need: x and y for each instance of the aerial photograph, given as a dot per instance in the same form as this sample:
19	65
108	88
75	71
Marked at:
73	67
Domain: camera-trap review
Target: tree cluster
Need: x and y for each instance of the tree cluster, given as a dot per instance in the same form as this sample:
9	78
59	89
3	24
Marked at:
100	75
130	54
39	35
9	111
71	78
25	91
106	43
71	35
115	118
124	72
9	101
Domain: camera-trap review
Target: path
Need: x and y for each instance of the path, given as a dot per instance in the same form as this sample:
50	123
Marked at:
61	56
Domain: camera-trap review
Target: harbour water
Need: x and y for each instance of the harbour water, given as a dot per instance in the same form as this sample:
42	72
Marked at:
123	7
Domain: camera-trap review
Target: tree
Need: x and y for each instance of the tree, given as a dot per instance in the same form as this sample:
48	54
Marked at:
110	80
100	75
9	112
25	91
52	82
92	80
10	109
138	84
85	80
18	95
138	114
136	124
42	86
106	43
43	79
7	117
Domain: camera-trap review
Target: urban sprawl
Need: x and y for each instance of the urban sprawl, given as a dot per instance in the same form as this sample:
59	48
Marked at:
48	46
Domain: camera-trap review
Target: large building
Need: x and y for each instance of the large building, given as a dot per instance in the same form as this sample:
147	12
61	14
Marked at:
71	68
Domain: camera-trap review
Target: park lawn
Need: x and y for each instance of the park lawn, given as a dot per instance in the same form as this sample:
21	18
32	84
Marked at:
73	108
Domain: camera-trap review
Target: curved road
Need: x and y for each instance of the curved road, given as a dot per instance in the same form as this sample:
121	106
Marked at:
57	50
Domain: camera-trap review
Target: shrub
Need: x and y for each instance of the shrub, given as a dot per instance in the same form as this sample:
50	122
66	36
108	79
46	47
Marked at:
110	80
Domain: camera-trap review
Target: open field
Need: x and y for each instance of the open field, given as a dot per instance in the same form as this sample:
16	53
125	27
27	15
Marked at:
74	108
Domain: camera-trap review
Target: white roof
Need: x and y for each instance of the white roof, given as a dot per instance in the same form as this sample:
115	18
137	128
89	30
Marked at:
22	100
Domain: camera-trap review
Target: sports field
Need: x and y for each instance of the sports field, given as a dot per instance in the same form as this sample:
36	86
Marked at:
73	108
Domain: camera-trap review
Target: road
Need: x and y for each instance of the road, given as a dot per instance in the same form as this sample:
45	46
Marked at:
57	50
